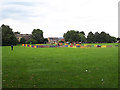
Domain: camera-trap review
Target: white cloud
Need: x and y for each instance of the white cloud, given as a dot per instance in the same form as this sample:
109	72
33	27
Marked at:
55	17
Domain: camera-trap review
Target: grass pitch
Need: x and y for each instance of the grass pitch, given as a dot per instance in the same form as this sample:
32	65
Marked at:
27	67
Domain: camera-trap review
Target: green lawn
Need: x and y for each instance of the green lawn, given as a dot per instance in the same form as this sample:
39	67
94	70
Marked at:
27	67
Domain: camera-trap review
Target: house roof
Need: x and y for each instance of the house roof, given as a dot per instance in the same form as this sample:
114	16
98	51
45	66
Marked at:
22	35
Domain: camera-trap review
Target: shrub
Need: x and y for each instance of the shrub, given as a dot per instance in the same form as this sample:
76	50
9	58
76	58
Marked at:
33	41
22	40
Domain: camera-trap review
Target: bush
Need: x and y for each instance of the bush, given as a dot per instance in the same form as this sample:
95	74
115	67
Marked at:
8	37
22	40
33	41
61	41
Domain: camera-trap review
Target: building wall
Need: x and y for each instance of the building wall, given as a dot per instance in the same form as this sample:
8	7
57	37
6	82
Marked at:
53	39
26	36
19	38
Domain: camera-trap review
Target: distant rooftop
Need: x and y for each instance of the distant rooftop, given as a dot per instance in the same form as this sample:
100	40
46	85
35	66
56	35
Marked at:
56	37
61	37
52	37
18	35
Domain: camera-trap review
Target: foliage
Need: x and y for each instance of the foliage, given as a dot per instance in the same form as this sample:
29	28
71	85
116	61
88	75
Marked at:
38	35
113	39
61	41
33	41
74	36
8	37
82	37
17	32
90	37
97	37
106	38
102	37
82	32
45	40
22	40
118	38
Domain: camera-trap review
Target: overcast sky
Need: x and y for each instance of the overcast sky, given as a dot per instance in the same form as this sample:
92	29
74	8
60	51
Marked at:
55	17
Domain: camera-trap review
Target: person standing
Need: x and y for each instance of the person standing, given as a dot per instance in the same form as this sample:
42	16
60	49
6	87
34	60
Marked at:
12	47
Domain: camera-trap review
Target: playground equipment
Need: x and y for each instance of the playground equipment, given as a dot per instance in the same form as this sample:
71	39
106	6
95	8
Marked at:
70	46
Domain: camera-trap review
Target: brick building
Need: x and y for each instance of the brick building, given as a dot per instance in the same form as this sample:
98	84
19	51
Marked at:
26	36
55	39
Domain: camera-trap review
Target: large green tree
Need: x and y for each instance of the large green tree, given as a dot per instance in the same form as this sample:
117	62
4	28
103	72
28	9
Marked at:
97	37
8	37
91	37
105	37
102	37
74	36
82	32
113	39
82	37
37	34
71	36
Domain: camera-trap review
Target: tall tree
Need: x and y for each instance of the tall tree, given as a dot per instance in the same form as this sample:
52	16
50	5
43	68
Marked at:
8	37
97	37
82	37
82	32
74	36
90	37
105	38
38	35
71	36
113	39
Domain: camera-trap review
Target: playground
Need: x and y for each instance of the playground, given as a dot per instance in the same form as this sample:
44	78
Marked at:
103	45
60	67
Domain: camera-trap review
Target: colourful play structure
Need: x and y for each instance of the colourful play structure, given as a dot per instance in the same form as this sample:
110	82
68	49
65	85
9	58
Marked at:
68	45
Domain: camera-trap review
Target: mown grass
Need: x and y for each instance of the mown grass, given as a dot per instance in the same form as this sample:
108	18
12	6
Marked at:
101	44
27	67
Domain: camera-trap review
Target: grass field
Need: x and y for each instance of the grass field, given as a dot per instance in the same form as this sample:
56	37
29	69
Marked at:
27	67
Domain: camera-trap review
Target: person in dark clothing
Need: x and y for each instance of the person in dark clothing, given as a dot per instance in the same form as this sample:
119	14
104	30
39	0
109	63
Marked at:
12	47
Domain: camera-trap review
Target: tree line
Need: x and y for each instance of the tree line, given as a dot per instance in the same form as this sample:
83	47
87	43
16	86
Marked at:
76	36
9	38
